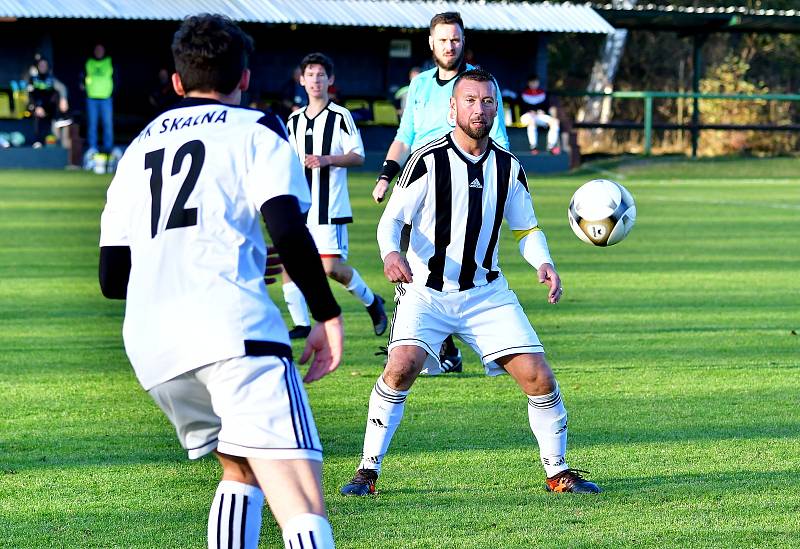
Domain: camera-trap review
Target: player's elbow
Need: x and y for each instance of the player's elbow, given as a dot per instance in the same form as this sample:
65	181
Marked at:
358	160
285	223
112	291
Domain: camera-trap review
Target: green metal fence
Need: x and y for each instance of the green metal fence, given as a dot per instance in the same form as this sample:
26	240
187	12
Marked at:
696	126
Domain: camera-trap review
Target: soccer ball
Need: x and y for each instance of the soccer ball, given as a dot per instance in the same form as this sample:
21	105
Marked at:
601	212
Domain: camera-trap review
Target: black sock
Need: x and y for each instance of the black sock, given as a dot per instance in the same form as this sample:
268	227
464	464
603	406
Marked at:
449	346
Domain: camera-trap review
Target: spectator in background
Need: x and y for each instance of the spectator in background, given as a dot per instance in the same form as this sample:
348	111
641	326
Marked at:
333	94
47	98
163	95
98	83
538	112
401	95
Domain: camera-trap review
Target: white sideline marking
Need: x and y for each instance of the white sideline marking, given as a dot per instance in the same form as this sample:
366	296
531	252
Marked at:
729	202
609	173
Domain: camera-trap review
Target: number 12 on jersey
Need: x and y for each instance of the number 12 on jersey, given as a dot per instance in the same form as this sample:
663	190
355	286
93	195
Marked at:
154	161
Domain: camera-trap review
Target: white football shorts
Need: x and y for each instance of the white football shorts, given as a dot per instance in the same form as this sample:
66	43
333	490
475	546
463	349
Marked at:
249	406
487	318
331	240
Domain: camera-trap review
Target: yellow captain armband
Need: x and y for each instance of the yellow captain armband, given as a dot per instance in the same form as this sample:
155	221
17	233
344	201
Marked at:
519	235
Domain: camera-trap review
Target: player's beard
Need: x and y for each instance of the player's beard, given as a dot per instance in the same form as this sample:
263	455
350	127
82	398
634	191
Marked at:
453	64
475	133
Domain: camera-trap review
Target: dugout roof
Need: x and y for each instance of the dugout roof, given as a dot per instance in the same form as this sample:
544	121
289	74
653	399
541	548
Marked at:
700	20
407	14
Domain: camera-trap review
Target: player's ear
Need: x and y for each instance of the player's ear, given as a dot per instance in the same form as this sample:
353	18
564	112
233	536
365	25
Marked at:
177	85
430	42
244	81
330	79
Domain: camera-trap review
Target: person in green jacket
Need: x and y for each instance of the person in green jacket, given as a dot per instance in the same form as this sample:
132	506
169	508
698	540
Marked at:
99	86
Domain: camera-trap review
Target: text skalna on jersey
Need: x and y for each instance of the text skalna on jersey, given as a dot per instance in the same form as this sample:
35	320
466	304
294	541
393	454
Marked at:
179	123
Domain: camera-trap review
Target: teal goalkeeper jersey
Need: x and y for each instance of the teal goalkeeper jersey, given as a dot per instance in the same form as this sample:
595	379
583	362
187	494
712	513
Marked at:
425	117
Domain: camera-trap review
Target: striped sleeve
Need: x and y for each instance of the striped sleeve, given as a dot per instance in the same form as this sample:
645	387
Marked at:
522	220
519	204
407	196
292	124
416	166
351	137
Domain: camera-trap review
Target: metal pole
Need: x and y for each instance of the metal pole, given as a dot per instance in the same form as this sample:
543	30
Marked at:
541	60
697	61
648	124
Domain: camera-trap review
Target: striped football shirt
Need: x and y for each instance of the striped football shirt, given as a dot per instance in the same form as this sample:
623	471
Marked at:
331	131
456	203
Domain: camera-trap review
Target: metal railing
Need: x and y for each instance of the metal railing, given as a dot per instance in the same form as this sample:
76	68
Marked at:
695	126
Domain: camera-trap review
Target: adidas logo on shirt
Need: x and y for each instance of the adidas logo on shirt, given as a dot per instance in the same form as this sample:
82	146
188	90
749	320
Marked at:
475	184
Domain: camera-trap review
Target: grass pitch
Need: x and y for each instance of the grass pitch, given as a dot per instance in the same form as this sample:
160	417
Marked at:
677	353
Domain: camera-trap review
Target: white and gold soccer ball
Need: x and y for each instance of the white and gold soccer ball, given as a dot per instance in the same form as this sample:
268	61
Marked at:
602	212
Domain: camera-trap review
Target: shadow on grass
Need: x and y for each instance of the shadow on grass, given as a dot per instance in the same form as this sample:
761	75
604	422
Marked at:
439	421
502	490
706	484
70	451
444	417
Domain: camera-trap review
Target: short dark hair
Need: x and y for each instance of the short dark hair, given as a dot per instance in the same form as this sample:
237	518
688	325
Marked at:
447	18
210	53
317	58
476	75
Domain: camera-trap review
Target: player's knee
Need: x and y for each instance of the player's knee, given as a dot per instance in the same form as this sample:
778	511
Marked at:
399	379
539	379
331	272
335	271
403	367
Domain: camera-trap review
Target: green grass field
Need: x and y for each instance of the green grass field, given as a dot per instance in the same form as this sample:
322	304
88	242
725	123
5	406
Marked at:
677	353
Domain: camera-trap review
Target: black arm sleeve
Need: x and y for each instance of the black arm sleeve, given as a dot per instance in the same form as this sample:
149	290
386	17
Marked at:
115	269
287	228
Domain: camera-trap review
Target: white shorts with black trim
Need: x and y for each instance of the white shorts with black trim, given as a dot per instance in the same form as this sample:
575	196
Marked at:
331	240
250	406
488	318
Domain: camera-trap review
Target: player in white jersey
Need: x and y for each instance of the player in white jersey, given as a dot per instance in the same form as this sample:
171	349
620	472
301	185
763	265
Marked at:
327	142
427	117
180	241
455	192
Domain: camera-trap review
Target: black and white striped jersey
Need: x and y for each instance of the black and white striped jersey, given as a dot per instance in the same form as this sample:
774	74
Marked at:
331	131
455	204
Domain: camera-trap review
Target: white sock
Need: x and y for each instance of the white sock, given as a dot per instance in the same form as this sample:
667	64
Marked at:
548	419
235	516
386	408
360	290
308	531
296	304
